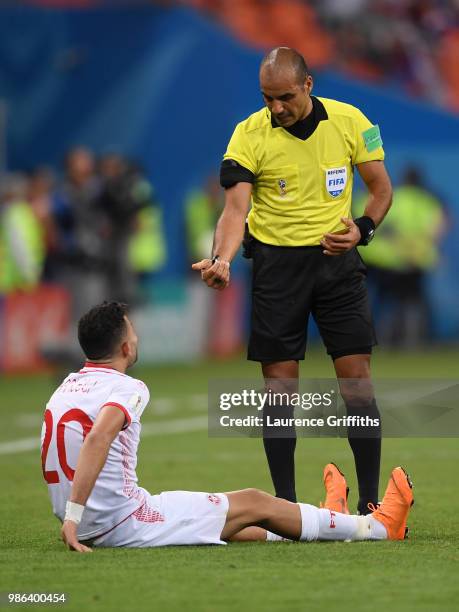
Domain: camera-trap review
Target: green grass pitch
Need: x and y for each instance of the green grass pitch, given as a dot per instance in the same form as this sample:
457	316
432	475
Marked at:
418	574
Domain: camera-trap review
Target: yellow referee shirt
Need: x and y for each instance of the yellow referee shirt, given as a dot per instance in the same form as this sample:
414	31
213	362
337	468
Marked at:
302	187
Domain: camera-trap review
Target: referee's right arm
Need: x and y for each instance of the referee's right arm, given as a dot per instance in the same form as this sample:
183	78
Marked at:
228	236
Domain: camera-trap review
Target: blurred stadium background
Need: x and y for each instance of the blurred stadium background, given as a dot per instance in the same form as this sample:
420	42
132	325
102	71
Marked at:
114	116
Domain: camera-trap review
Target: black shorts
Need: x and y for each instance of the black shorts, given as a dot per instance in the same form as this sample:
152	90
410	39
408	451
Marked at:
289	283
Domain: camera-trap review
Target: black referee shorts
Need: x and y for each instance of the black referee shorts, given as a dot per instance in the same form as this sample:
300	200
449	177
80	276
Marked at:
289	283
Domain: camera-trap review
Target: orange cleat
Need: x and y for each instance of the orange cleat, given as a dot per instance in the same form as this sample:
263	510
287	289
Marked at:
336	489
393	511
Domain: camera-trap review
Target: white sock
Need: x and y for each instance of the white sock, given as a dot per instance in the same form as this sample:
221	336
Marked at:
273	537
309	522
336	526
368	528
324	524
377	529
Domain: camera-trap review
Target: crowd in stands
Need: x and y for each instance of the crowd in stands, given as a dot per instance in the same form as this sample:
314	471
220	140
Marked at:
409	45
96	231
399	262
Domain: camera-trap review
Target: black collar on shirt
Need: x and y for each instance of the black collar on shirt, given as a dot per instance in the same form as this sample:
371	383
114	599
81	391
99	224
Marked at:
304	128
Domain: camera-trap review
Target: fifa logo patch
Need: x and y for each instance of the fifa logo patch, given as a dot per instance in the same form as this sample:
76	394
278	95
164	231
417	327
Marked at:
282	186
135	403
335	181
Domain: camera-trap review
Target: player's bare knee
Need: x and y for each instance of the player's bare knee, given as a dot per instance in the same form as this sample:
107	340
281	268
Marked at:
253	495
259	504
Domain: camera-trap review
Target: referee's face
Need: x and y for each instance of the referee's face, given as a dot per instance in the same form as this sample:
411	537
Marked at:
287	100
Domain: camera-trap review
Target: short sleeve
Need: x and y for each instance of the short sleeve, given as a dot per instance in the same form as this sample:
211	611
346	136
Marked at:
240	149
131	396
368	142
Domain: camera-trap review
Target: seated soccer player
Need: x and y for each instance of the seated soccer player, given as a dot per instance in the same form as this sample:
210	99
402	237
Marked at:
90	436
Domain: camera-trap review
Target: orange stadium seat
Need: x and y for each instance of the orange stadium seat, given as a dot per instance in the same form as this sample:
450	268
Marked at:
297	26
267	23
247	20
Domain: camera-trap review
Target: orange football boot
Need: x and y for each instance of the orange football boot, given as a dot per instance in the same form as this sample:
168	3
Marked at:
336	489
393	511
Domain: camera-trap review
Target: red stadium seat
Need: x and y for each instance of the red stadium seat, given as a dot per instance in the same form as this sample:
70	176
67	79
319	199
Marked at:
448	60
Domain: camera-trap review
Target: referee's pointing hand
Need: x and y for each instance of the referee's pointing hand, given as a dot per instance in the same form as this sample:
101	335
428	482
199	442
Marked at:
337	244
215	275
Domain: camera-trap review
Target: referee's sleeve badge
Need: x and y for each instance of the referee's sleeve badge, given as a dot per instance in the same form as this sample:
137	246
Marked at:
372	138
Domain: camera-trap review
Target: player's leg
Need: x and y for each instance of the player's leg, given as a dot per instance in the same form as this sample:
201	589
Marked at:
294	521
290	521
252	507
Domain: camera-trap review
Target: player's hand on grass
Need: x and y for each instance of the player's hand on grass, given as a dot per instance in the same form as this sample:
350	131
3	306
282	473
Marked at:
215	275
70	537
337	244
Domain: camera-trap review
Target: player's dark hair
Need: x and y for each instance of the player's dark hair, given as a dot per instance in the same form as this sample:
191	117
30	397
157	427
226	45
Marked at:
102	329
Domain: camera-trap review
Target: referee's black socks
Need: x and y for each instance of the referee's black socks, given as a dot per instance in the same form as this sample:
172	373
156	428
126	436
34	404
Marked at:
366	446
280	453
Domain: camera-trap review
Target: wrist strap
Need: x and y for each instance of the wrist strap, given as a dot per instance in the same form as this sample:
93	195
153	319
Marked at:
73	512
367	228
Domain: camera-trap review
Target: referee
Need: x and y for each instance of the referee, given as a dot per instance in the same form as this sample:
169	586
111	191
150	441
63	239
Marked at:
293	161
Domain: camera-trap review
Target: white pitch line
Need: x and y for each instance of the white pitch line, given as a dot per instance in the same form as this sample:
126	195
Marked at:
172	427
162	428
164	405
29	420
19	446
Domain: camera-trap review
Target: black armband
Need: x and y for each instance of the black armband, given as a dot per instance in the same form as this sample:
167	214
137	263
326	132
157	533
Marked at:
367	228
231	173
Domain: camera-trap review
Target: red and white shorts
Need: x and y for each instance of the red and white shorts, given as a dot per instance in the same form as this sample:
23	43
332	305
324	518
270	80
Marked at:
172	518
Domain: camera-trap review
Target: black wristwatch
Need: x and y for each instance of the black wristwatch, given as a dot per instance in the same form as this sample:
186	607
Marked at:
367	229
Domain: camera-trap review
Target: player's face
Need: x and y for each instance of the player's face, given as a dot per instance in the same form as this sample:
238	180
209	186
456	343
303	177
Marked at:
286	99
130	343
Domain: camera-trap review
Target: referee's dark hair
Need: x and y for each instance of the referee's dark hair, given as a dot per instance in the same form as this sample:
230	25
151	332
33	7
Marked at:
102	329
280	57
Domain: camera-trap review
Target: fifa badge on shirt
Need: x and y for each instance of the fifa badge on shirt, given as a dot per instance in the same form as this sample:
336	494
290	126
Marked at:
335	181
282	186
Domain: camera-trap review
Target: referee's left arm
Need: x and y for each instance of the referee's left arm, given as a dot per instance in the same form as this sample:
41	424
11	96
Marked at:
379	187
375	177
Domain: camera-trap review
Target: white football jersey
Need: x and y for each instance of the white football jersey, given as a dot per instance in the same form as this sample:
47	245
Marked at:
69	416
